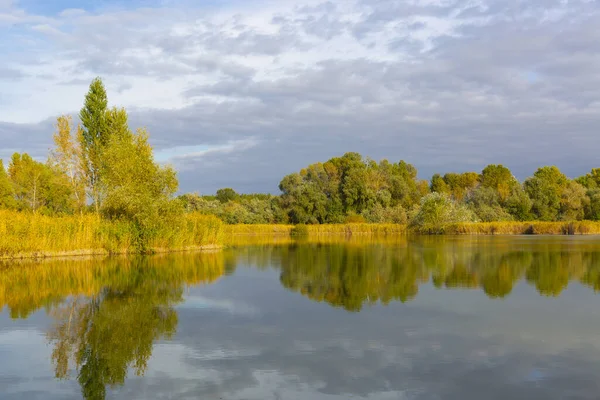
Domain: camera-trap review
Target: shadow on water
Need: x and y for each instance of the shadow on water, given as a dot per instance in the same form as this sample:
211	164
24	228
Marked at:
107	314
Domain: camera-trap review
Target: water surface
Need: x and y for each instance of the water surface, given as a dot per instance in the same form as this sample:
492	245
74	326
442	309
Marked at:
425	318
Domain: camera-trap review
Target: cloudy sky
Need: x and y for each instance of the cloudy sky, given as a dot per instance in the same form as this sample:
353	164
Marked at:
239	93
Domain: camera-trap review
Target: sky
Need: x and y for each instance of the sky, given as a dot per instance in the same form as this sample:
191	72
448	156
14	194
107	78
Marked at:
240	93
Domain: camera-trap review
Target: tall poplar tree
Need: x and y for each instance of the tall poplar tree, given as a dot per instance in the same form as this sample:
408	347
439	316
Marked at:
93	137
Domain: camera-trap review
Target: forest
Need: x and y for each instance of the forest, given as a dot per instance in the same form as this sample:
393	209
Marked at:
101	168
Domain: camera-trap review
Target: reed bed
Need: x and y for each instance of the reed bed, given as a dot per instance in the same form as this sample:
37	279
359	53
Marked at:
525	228
25	235
234	233
257	229
356	229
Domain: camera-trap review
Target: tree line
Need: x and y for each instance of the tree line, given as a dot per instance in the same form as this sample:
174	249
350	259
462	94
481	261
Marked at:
354	189
103	167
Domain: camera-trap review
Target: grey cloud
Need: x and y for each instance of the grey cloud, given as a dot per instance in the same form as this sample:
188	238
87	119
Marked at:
515	83
7	73
34	139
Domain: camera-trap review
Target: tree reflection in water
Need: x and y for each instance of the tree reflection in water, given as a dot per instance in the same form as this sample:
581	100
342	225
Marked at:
109	313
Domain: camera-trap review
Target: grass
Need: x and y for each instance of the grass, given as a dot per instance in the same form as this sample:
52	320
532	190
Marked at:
25	235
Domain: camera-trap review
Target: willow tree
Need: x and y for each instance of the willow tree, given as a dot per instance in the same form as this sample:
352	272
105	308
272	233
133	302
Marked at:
94	137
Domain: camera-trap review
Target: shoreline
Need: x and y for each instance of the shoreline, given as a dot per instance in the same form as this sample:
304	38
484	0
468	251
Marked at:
236	233
42	255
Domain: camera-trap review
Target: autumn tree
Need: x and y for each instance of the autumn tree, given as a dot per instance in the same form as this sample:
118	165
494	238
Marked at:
30	181
66	158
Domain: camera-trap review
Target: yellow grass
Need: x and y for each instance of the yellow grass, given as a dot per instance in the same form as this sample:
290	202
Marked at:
525	228
30	235
257	229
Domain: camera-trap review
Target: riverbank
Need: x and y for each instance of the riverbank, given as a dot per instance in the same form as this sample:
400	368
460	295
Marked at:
472	228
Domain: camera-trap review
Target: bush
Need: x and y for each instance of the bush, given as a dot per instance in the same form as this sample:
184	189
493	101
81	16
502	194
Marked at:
436	212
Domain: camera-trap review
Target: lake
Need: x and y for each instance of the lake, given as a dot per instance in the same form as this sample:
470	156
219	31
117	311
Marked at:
397	318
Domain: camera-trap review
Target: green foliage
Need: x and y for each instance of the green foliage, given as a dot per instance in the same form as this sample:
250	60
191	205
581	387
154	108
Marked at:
592	208
343	186
485	203
38	187
500	179
459	185
436	212
381	214
247	209
554	196
518	204
137	189
7	194
93	137
438	185
590	180
226	194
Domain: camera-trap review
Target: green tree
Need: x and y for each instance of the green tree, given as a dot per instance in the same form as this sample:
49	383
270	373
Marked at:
30	181
500	179
545	189
438	185
137	189
93	137
518	204
227	194
7	194
573	202
592	208
590	180
485	203
39	187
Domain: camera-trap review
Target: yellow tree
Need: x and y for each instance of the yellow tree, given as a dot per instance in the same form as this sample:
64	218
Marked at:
66	158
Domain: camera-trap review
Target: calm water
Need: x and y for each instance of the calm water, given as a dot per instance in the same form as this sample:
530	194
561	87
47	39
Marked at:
428	318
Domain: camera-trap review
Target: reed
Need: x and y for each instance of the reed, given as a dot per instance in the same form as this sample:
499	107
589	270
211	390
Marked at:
325	229
525	228
357	229
25	235
257	229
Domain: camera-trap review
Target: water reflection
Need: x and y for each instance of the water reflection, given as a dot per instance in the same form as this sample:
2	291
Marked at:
360	271
107	315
